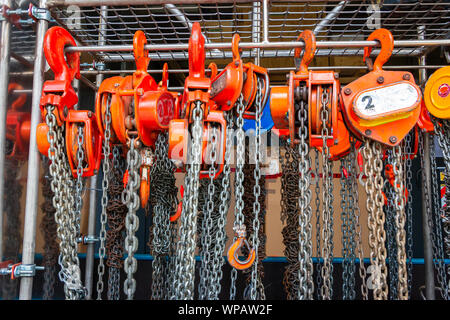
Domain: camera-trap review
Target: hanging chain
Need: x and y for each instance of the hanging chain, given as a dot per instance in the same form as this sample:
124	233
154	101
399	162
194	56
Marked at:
442	130
391	231
163	197
185	260
65	215
239	188
318	227
400	218
130	197
218	261
48	227
116	212
207	223
79	180
104	202
408	147
327	212
373	166
305	271
358	238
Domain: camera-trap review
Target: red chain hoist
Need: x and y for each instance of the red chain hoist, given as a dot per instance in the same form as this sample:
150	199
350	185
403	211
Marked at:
139	107
308	86
60	93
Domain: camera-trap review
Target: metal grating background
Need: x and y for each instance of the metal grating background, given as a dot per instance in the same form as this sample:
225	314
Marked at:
332	21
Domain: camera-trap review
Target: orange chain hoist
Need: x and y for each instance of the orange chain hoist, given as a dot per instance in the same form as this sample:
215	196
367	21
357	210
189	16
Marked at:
308	86
17	126
61	94
198	88
381	105
140	107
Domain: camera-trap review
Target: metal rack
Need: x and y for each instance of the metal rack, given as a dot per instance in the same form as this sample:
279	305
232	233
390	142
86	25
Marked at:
268	30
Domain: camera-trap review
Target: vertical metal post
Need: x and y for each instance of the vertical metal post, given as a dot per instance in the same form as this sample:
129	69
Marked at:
265	21
4	79
256	29
29	234
90	252
427	245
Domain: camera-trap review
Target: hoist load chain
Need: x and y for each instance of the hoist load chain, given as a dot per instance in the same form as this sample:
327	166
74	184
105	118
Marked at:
327	209
358	238
116	212
163	199
130	197
441	221
373	164
65	215
48	227
289	216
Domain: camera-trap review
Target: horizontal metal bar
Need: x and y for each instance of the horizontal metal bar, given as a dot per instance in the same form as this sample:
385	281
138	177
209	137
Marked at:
148	257
262	45
270	70
85	3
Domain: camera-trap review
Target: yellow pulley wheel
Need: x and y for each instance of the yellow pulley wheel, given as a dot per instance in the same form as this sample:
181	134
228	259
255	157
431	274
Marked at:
437	93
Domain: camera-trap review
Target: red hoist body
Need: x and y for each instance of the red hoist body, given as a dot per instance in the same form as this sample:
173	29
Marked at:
140	107
382	105
17	126
60	93
197	88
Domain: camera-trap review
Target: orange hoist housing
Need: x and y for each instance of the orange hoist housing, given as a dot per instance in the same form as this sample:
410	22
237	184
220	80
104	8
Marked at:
139	106
17	126
60	93
437	93
382	105
197	89
307	86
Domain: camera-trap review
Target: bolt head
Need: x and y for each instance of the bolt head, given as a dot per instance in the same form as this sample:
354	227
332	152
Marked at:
406	76
348	91
90	114
65	111
368	132
380	80
228	103
393	139
336	75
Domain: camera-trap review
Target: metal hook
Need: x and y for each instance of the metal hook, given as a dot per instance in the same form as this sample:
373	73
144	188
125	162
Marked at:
196	51
140	54
241	240
235	46
386	40
308	37
65	66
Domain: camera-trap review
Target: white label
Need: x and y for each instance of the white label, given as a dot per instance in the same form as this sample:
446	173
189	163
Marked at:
386	100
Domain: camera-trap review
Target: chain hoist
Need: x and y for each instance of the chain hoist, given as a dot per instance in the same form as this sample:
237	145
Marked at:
72	142
436	97
373	105
188	145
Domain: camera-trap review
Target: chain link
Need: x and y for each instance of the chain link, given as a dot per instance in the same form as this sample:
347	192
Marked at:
104	201
65	215
130	197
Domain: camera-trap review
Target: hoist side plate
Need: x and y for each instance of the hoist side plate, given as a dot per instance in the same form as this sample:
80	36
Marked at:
391	133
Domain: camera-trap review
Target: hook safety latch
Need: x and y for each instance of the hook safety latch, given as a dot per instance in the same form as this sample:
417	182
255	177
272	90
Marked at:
240	242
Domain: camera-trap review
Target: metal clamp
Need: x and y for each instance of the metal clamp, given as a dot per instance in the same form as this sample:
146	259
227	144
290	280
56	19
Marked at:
87	239
37	13
20	270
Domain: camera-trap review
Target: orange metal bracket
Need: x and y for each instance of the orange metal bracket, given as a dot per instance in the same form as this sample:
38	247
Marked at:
92	141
